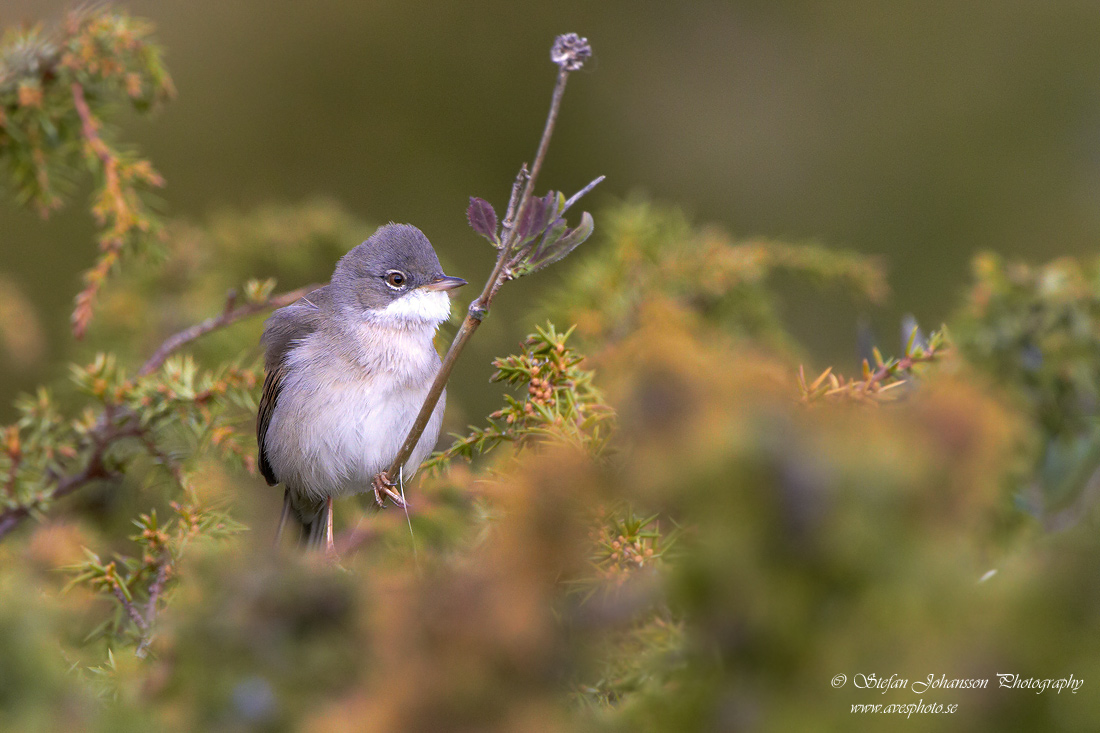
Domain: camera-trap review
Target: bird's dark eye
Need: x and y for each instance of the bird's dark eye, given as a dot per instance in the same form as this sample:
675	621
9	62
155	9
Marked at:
395	279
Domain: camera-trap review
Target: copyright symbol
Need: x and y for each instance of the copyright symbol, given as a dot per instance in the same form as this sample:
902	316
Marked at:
839	680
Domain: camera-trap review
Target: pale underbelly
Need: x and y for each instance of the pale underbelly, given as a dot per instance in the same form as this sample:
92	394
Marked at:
332	441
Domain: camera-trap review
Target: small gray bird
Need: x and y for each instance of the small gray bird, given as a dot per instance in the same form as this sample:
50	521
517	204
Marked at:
347	369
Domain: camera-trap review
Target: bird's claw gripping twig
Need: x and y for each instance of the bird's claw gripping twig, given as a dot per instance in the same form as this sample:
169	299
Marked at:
384	486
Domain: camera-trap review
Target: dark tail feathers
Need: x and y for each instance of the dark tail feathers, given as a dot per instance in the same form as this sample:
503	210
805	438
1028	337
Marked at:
310	515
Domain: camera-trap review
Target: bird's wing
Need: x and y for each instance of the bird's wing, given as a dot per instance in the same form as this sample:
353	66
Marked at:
284	329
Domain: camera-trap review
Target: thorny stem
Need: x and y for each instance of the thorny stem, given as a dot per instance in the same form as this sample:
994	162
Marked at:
119	214
479	308
873	382
904	365
89	128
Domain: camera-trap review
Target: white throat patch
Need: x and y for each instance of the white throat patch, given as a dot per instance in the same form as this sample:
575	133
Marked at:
420	306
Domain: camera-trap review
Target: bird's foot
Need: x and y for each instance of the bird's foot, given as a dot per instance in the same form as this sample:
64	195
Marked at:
383	486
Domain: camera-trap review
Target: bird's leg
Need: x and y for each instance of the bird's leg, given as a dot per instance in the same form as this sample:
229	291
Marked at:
330	548
382	485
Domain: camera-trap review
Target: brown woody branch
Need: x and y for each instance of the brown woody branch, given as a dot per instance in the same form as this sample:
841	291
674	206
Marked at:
228	316
131	609
89	130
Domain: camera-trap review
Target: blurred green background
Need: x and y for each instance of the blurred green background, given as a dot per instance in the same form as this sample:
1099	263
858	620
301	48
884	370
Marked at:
792	543
919	131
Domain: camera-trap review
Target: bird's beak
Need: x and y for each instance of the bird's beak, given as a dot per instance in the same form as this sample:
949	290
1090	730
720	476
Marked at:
445	282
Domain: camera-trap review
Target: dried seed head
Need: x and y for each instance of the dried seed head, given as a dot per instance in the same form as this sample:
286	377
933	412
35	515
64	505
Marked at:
570	51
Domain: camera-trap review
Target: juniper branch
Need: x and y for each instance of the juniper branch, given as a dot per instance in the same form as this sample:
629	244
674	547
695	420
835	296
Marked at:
131	610
109	429
105	433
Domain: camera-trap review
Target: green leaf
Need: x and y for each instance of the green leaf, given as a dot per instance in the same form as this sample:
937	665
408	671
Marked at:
558	250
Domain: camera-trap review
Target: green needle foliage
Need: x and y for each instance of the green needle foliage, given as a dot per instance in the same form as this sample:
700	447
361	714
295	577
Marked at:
48	455
139	581
56	89
1034	330
656	251
562	402
886	380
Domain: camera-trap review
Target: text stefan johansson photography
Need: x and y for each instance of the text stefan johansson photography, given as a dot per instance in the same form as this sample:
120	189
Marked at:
1009	681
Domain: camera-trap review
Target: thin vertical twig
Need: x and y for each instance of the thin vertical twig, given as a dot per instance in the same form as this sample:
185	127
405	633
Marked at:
517	187
569	52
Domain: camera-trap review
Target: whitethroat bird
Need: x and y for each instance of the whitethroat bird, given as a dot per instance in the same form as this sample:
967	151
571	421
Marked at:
347	370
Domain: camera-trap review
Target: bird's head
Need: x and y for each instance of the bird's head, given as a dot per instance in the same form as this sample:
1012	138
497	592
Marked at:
394	277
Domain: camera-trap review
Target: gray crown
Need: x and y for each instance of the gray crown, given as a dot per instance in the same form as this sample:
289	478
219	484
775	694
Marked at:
360	276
